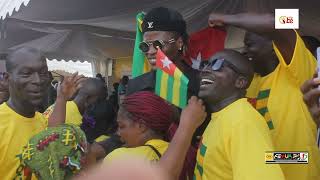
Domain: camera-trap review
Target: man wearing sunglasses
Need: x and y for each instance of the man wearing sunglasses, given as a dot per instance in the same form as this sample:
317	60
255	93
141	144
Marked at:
165	29
234	143
282	64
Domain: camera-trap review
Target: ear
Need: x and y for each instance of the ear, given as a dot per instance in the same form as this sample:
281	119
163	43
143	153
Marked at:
142	127
242	82
180	43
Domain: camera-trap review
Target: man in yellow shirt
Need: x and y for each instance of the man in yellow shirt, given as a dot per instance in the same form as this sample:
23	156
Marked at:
28	81
92	89
281	66
234	143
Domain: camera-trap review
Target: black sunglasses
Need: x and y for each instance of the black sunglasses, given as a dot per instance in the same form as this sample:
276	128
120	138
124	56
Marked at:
145	46
217	64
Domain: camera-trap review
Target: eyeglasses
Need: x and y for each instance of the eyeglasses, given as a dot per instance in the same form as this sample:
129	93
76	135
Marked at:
145	46
217	64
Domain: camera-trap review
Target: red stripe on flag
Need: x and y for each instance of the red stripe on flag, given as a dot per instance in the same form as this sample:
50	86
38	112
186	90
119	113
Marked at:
164	63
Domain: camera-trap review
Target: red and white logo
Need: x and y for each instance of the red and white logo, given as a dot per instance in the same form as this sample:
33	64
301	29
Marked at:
287	18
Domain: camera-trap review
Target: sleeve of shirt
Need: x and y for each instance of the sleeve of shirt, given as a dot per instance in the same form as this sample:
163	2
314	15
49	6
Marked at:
249	142
303	63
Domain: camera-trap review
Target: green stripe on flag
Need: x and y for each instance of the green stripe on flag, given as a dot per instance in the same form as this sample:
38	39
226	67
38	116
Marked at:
183	91
139	62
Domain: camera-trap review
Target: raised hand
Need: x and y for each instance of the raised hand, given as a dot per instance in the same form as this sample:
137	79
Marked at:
193	115
70	86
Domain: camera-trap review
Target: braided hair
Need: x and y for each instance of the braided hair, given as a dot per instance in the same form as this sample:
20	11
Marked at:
151	110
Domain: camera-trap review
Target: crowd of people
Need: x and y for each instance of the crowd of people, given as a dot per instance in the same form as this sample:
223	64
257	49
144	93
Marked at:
241	105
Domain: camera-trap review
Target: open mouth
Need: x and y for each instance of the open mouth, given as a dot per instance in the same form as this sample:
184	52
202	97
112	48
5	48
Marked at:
205	82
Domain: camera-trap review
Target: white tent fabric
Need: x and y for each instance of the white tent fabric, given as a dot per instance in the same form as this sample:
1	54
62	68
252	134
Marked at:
7	7
100	30
83	68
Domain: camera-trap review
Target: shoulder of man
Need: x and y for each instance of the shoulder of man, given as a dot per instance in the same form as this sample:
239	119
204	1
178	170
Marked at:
145	82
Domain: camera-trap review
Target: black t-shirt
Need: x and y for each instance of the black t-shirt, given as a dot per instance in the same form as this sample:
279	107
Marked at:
147	82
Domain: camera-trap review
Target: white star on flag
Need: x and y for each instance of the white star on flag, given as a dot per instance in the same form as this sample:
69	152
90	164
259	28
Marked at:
166	62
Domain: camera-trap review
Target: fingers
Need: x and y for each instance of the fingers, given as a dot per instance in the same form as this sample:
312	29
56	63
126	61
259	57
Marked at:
309	84
73	76
311	97
315	113
79	79
195	99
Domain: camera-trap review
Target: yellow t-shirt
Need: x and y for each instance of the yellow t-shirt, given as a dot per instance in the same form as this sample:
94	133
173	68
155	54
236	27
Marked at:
233	146
141	151
15	132
73	115
278	98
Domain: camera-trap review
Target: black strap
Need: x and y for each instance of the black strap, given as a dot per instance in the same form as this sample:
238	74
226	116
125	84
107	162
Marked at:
154	149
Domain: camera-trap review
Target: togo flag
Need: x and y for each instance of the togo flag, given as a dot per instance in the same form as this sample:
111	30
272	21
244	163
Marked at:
171	84
140	63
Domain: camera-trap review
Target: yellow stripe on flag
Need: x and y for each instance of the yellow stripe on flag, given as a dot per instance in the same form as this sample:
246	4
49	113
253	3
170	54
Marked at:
164	85
176	87
267	116
146	66
197	175
140	23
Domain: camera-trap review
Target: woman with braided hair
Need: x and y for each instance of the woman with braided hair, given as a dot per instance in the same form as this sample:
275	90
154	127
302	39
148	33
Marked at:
143	122
146	125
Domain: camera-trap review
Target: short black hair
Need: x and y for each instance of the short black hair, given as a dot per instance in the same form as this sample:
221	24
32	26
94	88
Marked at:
93	86
10	65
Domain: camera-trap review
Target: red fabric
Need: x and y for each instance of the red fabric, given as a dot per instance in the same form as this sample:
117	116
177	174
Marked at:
161	58
207	41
